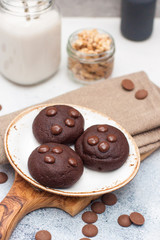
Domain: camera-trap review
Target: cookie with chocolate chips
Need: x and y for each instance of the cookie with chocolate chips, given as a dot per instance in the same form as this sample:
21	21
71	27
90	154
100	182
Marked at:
102	148
59	124
55	165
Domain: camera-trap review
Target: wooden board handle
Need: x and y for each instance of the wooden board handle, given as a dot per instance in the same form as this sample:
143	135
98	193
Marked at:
10	208
23	198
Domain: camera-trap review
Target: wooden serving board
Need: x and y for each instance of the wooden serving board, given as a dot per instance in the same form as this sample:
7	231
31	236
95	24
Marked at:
24	198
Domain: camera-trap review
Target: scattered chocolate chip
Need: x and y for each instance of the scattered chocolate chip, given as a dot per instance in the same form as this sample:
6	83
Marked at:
111	138
84	239
90	230
127	84
98	207
137	218
74	113
93	140
43	235
3	177
89	217
57	150
70	122
103	146
141	94
49	159
43	149
109	199
102	128
124	221
56	129
0	107
52	111
73	162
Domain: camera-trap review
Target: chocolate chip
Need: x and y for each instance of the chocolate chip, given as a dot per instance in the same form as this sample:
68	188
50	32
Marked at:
57	150
89	217
49	159
103	147
93	140
98	207
43	235
74	113
43	149
137	218
73	162
141	94
111	138
84	239
3	177
102	128
127	84
90	230
124	221
52	111
109	199
0	107
70	122
56	129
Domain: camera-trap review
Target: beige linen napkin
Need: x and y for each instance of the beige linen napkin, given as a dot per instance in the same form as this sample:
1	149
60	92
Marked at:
140	117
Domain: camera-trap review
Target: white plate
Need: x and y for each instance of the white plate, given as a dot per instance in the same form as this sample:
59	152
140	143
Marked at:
20	142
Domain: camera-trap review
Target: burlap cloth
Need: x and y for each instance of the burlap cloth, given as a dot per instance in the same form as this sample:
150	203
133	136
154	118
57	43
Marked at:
140	117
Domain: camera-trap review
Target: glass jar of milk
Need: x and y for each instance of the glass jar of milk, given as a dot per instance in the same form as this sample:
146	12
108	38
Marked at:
30	40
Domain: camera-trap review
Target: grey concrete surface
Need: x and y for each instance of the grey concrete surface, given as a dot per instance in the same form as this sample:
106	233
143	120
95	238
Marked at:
94	8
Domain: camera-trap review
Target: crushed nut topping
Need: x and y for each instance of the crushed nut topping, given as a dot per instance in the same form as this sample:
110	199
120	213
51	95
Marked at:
92	42
92	61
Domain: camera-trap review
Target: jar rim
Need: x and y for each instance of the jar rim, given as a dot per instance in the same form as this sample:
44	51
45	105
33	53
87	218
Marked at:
18	7
81	55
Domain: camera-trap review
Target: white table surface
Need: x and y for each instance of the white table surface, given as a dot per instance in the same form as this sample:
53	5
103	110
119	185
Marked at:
142	194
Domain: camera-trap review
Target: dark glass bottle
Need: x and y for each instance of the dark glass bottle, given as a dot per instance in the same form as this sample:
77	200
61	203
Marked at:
137	18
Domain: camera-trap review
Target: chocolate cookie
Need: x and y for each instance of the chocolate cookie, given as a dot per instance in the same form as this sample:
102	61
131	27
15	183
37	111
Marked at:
102	148
59	124
55	165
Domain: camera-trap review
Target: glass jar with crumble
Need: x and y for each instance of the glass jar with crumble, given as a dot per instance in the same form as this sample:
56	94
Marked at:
90	55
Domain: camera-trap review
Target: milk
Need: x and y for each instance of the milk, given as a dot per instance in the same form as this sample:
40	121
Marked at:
29	48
